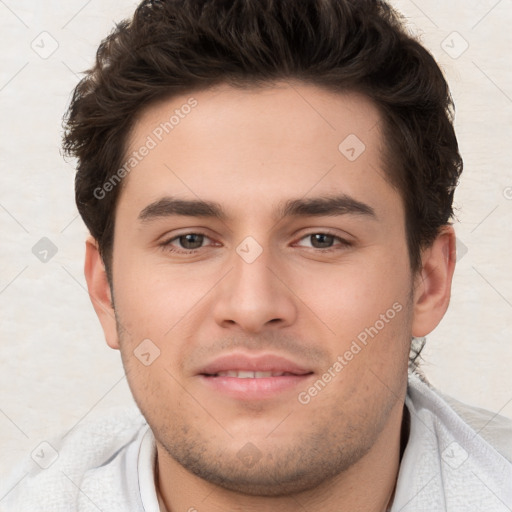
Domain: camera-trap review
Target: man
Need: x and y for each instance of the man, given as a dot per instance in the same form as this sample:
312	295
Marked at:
268	186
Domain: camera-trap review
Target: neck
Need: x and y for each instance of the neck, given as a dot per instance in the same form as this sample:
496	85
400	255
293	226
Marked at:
367	485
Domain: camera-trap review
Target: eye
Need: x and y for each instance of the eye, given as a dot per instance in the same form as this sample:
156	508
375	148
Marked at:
186	242
323	241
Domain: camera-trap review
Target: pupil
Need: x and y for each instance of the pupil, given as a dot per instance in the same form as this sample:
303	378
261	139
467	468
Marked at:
191	241
321	240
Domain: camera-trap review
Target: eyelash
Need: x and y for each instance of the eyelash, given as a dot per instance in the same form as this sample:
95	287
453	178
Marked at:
343	244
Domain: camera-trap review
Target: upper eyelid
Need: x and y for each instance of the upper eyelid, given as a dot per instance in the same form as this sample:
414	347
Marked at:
167	237
337	237
326	231
167	241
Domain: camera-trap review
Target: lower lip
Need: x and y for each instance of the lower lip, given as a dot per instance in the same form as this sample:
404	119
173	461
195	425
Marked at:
255	389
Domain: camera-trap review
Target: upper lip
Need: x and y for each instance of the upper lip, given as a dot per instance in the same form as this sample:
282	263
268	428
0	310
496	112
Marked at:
254	363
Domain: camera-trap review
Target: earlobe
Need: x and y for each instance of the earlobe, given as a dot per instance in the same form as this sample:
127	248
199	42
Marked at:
99	291
433	283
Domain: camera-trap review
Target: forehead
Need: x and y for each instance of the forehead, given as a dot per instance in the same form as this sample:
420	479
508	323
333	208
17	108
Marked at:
249	148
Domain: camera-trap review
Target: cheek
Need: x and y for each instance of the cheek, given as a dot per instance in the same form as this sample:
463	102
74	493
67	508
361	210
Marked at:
365	308
153	299
351	297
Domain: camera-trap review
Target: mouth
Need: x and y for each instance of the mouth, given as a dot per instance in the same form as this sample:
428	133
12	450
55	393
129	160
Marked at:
243	374
245	377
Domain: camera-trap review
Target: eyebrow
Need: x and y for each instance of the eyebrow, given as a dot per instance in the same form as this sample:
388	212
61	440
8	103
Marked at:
310	207
326	206
168	206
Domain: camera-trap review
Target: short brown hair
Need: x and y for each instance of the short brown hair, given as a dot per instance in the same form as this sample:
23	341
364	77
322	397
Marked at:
172	47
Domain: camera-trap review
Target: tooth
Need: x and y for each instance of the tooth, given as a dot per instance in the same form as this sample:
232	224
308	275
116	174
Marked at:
260	375
245	375
228	373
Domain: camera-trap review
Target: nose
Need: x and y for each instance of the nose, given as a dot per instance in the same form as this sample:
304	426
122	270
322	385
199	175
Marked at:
253	298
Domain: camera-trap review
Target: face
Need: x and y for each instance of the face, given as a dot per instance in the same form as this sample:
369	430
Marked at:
262	286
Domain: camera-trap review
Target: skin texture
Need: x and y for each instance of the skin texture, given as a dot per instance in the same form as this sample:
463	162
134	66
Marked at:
250	151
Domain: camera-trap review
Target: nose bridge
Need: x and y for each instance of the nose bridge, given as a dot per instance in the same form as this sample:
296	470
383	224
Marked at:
252	275
252	296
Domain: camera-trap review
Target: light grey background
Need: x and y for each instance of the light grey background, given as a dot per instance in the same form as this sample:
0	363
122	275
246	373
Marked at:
55	368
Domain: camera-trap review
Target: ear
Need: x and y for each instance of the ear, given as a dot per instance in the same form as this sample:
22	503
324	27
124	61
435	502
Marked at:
433	283
99	291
